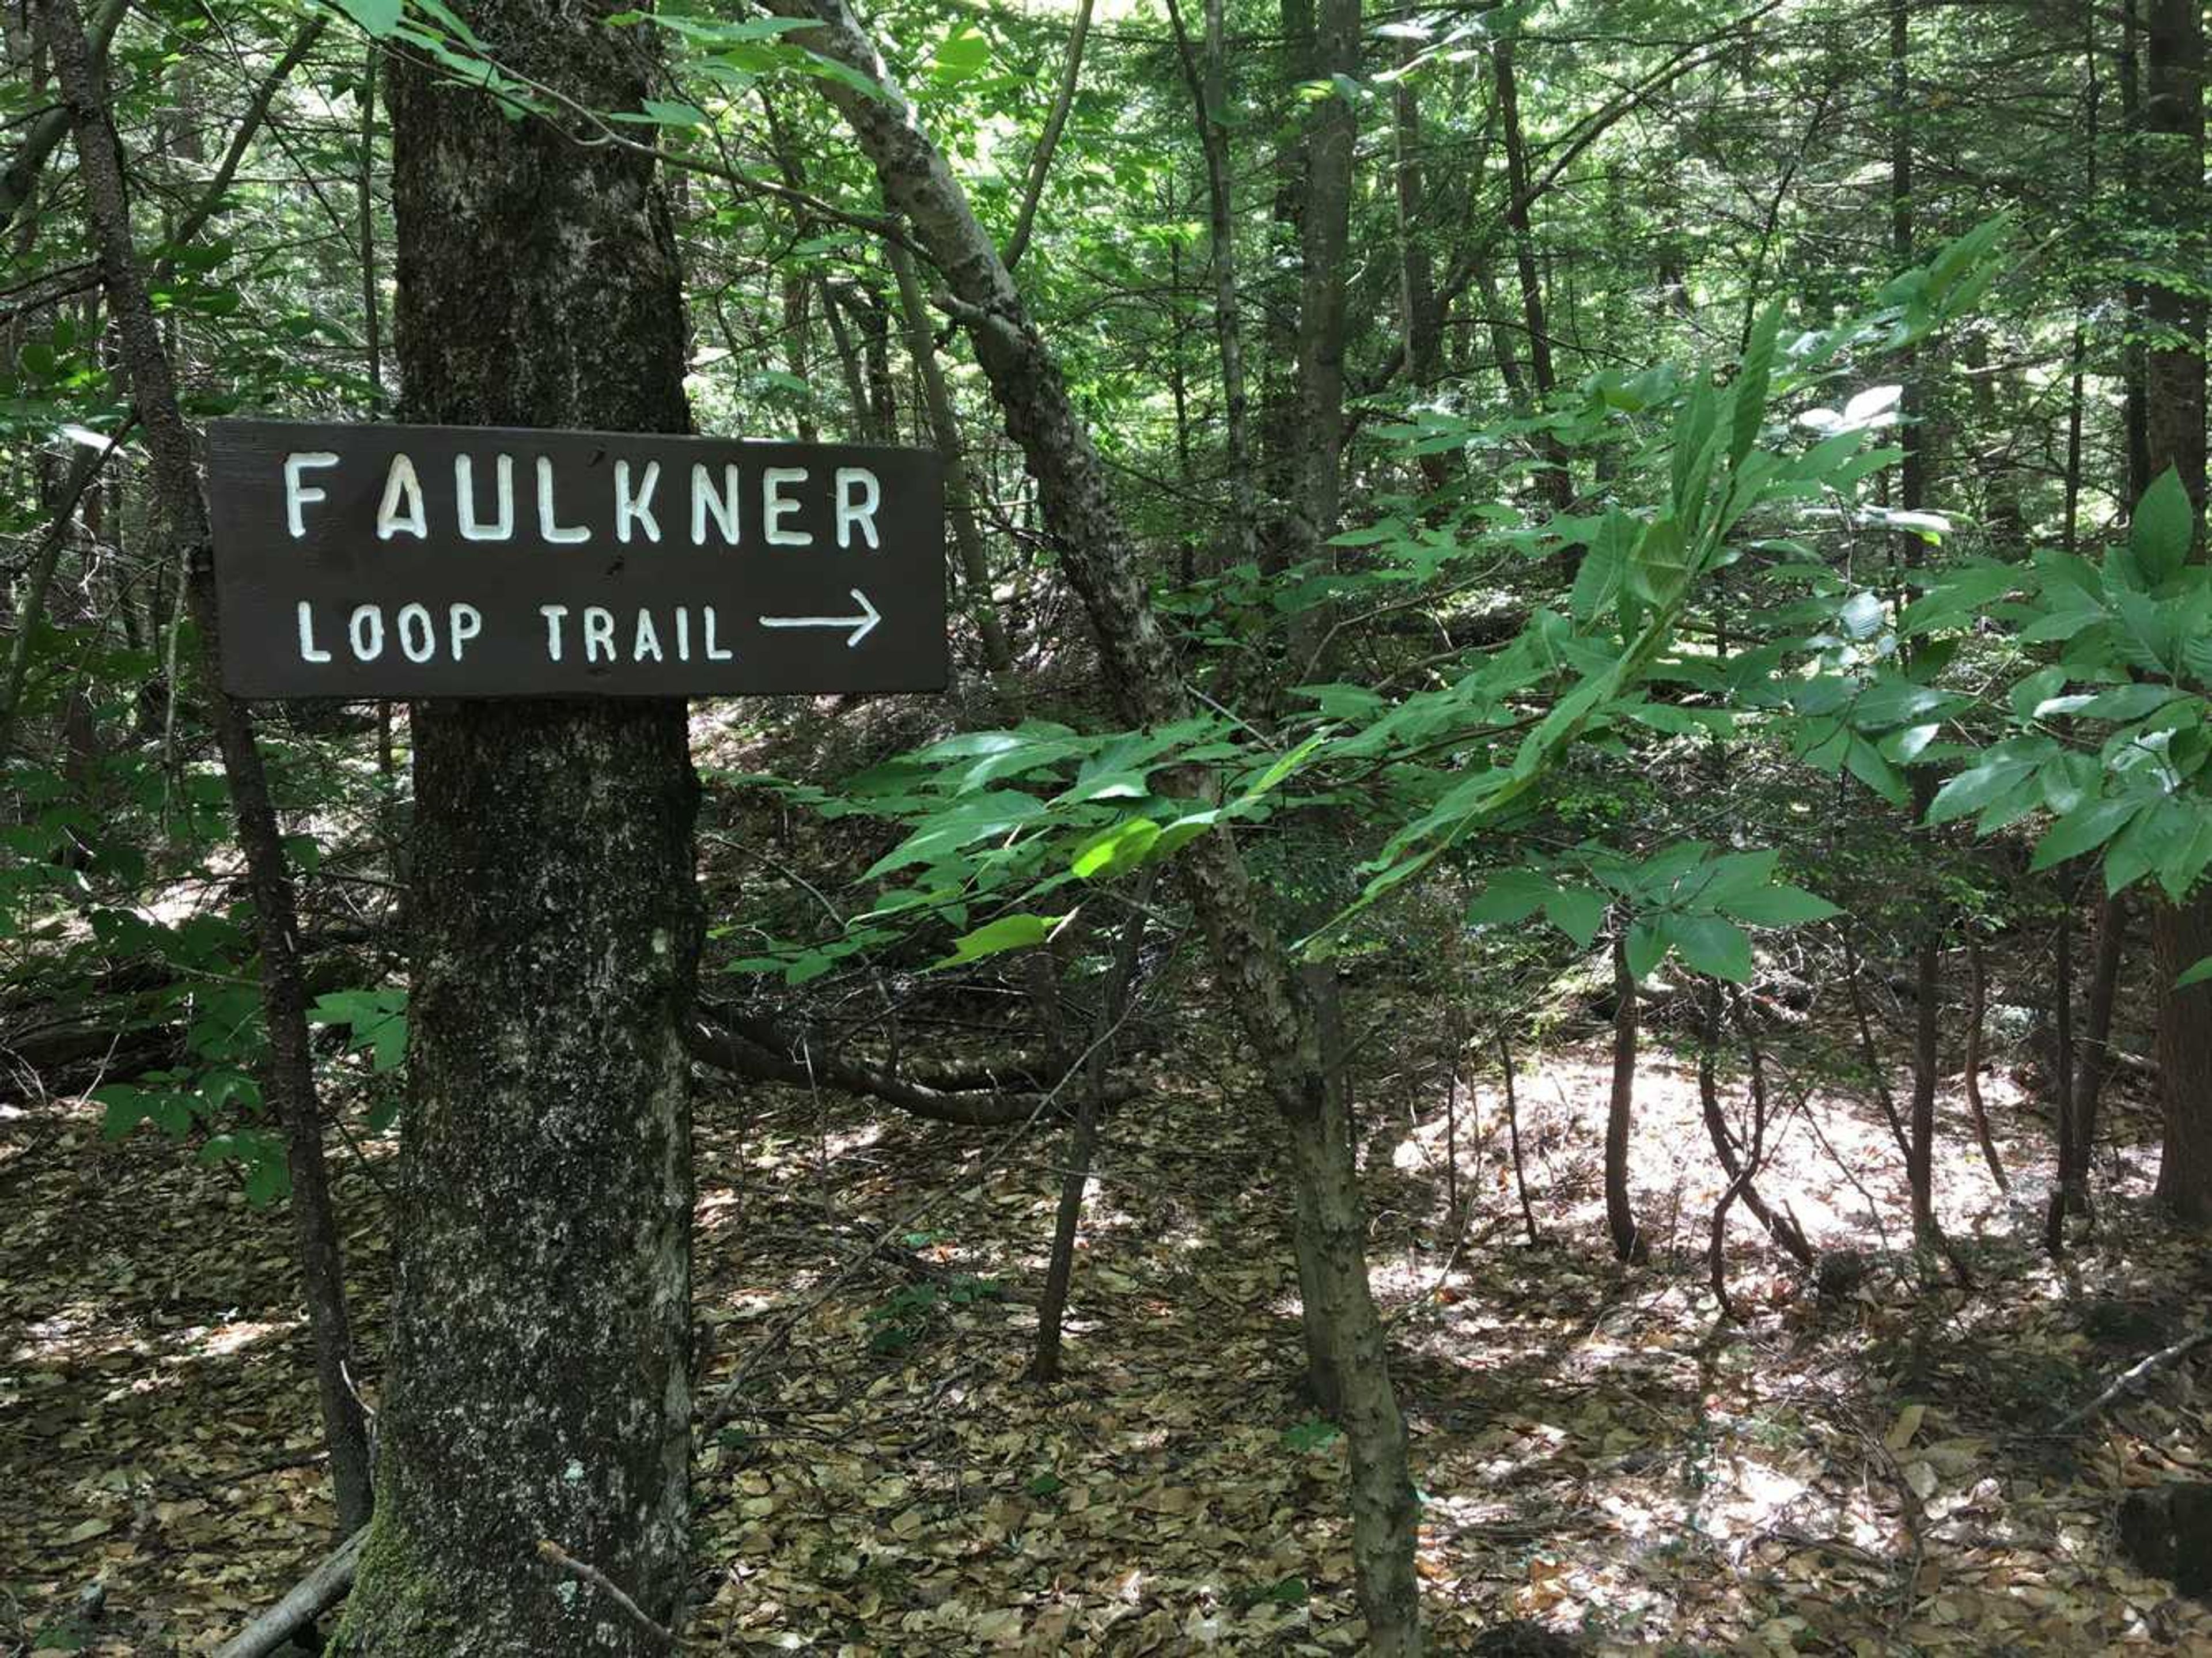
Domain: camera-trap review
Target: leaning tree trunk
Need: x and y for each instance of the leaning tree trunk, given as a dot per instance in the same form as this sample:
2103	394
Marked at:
1142	675
181	515
539	1386
2181	934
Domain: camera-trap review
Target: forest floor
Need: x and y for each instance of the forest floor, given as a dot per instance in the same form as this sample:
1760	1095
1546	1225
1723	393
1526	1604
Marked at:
1597	1450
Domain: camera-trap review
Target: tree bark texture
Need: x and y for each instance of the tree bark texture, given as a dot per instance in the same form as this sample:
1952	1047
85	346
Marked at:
1141	671
2181	934
1619	1116
1558	483
539	1385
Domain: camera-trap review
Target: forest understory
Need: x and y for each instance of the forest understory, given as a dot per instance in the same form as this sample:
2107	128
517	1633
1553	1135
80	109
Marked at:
1866	1467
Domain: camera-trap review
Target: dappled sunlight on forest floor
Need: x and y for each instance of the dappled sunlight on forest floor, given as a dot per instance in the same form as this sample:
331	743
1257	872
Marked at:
1598	1453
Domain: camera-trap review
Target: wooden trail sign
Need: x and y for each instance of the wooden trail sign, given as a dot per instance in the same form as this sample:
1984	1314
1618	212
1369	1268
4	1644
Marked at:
447	561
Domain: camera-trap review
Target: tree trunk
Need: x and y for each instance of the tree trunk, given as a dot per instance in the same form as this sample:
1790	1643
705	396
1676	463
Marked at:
2134	356
2181	934
1977	1004
2095	1042
1419	314
1619	1212
1558	483
1083	1142
182	514
959	495
1323	234
1140	672
539	1385
1781	1226
1210	91
1911	496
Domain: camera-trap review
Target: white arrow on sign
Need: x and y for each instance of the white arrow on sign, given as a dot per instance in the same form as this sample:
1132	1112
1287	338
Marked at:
862	625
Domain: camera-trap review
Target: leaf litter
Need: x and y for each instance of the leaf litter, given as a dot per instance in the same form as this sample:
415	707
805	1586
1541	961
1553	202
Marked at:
1597	1452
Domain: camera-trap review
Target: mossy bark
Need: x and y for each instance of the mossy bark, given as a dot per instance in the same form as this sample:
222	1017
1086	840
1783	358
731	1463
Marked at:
539	1383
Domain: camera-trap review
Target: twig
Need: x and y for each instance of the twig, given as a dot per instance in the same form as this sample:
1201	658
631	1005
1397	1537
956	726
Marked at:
548	1550
2134	1376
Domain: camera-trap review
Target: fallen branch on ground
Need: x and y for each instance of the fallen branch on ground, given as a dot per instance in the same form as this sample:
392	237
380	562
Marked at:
755	1048
2134	1377
308	1599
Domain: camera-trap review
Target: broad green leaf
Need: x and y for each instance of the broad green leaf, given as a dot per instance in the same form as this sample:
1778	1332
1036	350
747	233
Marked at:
1710	944
1646	948
2084	829
1115	849
2162	528
964	52
378	18
1578	912
1867	764
1781	905
1513	895
1751	386
1971	790
1017	932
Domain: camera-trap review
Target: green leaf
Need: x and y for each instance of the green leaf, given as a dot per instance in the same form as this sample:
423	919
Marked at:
2163	527
1017	931
964	52
667	114
378	18
1971	790
2195	975
1117	847
1751	386
1578	912
1513	895
1710	944
1867	765
2083	829
1781	905
1646	948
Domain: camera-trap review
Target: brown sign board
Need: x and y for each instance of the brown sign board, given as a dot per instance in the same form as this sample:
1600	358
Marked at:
381	560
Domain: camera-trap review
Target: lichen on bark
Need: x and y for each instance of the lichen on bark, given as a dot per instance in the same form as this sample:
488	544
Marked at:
538	1378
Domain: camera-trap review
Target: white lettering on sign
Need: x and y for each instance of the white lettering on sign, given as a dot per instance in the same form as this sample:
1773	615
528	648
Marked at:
418	628
309	651
598	633
858	494
635	508
298	494
855	502
463	623
407	561
549	528
775	507
400	484
418	636
366	630
465	492
724	506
